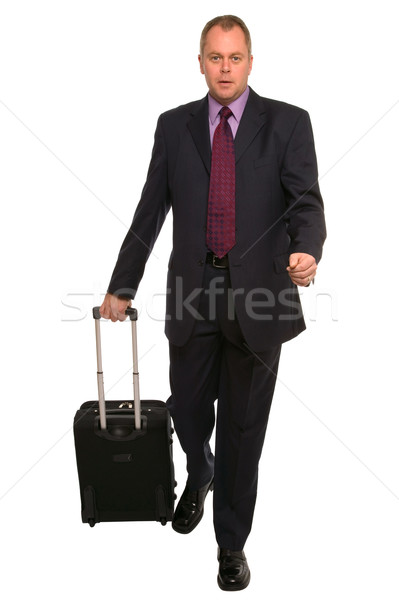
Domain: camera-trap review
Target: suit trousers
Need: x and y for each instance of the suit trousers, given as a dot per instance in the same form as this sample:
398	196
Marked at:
216	364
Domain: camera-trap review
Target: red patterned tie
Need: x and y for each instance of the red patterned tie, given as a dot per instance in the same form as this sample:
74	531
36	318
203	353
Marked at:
221	236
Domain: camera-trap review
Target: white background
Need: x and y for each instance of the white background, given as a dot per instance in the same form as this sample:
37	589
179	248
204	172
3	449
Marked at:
81	86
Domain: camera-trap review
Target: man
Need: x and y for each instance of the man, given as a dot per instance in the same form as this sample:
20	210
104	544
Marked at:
248	228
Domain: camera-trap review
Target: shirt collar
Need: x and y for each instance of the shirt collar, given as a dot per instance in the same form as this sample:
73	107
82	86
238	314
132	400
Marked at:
236	107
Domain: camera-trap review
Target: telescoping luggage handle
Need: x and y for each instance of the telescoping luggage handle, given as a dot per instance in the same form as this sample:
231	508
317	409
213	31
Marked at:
132	314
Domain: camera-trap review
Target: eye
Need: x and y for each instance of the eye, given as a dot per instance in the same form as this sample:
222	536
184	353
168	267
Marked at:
215	58
235	58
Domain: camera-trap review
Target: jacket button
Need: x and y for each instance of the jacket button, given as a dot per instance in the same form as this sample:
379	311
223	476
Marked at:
201	263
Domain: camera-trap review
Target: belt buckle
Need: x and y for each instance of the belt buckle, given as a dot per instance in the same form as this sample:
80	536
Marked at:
214	257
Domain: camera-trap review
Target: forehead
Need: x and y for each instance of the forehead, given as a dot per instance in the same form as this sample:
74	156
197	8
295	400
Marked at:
220	41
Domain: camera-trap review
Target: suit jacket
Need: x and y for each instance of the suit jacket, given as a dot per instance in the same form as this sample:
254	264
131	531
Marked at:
279	210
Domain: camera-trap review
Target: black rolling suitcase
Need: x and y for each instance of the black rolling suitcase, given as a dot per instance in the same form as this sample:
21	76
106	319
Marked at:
124	452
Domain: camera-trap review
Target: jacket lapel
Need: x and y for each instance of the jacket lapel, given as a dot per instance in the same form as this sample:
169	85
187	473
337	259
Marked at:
199	129
252	120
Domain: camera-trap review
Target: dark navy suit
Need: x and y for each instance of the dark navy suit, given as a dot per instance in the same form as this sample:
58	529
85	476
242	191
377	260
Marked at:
217	351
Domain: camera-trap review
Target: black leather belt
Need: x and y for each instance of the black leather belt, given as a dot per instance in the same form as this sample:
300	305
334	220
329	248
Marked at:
215	261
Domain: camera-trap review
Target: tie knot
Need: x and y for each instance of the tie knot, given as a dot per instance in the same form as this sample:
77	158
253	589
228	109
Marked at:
225	112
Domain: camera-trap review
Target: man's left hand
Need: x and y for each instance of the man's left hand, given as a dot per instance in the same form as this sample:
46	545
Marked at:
302	269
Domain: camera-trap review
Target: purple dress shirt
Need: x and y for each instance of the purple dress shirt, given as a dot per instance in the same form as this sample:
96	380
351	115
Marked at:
236	107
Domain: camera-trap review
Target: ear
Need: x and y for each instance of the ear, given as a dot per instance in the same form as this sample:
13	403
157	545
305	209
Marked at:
200	63
250	64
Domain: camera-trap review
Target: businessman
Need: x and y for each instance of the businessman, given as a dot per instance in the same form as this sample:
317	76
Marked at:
239	172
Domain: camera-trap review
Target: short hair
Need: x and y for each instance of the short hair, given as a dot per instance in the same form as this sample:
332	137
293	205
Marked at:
226	22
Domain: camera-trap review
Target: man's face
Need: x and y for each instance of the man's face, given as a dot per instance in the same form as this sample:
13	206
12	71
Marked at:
225	63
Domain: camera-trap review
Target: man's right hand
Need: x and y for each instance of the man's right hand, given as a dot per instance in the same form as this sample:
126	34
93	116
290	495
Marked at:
114	307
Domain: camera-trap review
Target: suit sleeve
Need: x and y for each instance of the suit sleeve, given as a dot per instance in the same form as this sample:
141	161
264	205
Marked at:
305	211
147	222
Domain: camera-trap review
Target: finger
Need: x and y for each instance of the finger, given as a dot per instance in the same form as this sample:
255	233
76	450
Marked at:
113	316
113	312
294	261
300	261
309	273
104	311
303	273
302	280
304	265
122	306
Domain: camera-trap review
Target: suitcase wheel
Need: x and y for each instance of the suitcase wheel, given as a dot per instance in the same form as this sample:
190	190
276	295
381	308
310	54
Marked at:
163	521
91	522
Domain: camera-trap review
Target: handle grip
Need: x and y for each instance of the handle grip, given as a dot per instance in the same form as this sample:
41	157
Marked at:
130	312
96	312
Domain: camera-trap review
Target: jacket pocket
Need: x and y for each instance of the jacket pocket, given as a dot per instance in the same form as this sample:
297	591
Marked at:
281	262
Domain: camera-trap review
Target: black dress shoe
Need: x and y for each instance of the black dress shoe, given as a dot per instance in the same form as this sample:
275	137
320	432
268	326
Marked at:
234	573
190	509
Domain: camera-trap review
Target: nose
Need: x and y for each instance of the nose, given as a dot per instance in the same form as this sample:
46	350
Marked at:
225	68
